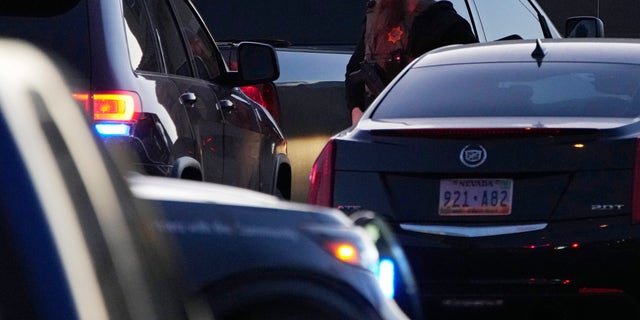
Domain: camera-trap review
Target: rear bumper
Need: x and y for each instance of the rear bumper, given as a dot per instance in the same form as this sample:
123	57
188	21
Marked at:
566	268
131	151
532	307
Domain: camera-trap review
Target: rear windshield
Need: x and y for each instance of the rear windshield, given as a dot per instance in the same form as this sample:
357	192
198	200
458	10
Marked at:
62	33
515	89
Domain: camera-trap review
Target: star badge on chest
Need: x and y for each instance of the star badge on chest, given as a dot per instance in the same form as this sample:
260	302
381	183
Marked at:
395	35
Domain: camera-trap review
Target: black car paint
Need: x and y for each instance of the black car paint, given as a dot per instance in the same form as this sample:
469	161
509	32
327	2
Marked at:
569	248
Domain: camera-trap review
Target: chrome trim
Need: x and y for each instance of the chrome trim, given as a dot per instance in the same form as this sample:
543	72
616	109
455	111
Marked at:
472	232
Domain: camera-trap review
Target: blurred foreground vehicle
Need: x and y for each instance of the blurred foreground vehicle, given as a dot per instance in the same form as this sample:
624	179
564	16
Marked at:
75	244
510	173
152	80
254	256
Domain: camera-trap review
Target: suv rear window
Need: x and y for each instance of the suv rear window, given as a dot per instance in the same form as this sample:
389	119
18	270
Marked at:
338	24
515	90
62	32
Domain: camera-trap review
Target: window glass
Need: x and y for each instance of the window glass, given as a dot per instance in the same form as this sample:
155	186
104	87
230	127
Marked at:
142	46
171	42
504	18
515	89
64	37
201	45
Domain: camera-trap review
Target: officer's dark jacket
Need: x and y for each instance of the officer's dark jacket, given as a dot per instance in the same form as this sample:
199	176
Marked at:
437	26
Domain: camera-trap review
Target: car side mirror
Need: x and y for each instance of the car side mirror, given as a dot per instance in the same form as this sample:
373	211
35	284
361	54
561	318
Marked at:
584	27
257	62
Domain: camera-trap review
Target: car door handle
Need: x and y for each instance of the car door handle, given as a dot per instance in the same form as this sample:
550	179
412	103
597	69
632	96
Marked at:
226	105
188	99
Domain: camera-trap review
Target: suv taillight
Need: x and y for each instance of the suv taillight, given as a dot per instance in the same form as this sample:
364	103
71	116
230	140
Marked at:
267	96
113	111
635	204
321	177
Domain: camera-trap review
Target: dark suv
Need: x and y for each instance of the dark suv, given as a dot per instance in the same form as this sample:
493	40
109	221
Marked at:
150	76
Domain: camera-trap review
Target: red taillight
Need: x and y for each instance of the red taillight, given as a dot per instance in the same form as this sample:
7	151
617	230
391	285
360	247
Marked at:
469	133
111	106
600	291
321	177
267	96
114	106
254	93
635	204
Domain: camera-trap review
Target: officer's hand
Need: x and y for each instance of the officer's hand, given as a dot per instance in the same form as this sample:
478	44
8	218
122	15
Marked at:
356	114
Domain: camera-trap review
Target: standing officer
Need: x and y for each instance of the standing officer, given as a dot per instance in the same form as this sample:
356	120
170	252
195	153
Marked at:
396	32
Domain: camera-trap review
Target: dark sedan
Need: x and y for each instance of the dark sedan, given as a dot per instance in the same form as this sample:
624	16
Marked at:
509	172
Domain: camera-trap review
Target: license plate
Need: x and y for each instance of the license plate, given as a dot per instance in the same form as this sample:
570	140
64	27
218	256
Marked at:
475	197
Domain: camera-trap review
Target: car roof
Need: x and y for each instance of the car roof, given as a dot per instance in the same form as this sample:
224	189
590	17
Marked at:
558	50
170	189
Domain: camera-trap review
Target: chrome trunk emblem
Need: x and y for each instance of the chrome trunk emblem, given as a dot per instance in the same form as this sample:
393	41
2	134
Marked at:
473	155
